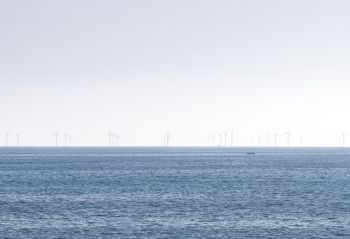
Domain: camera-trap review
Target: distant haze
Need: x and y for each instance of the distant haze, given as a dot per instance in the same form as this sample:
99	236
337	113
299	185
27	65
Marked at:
190	67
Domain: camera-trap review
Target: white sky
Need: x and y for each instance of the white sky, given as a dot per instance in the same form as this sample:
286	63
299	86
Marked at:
191	67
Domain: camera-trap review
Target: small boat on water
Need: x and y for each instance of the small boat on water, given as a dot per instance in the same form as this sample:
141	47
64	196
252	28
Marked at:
250	153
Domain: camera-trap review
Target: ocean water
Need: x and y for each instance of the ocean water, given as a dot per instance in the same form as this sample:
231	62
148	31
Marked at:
174	193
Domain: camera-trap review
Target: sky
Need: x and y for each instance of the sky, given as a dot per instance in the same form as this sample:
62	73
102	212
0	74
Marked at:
189	67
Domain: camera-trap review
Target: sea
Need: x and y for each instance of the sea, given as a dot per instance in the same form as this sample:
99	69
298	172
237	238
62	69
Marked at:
175	192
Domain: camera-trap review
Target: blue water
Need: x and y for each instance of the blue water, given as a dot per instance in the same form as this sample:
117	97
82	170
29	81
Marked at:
174	193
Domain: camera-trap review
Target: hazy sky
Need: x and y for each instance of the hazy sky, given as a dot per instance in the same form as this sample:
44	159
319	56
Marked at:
191	67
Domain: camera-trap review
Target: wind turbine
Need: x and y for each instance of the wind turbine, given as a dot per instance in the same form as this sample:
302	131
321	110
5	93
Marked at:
65	139
70	139
231	133
225	137
6	139
18	137
116	136
110	137
288	134
343	137
275	135
301	140
56	138
166	138
265	138
260	136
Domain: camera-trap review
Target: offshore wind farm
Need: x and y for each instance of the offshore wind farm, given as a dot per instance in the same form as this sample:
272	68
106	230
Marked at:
221	139
174	119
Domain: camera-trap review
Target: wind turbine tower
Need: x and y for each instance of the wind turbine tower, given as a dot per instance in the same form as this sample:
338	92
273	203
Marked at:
260	140
166	138
275	135
6	139
70	140
65	140
225	134
18	138
56	138
110	138
116	139
213	138
343	137
288	134
301	140
231	138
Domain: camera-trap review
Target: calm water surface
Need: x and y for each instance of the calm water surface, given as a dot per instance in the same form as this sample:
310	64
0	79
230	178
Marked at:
174	193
